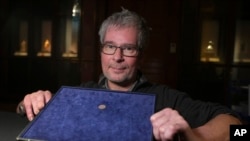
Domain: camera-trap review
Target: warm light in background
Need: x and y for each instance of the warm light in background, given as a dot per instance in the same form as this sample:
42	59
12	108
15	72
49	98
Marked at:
209	41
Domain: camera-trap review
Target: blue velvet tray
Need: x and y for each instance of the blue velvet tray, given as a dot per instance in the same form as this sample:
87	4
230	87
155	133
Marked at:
80	114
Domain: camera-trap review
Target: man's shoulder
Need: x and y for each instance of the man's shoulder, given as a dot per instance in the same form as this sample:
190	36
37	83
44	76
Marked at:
151	87
160	90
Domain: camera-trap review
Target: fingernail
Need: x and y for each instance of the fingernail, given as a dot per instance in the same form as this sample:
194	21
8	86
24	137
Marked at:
30	118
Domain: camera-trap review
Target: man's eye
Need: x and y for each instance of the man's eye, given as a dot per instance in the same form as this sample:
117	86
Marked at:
129	48
110	46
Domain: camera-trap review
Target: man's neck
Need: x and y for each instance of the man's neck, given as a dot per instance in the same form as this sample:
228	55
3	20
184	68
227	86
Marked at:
120	87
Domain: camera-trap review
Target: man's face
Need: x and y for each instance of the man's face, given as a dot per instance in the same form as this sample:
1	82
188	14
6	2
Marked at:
120	69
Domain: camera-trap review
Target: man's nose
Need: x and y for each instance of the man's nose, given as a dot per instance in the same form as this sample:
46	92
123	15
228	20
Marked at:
118	55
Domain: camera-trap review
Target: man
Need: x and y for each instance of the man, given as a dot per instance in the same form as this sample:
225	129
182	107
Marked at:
123	36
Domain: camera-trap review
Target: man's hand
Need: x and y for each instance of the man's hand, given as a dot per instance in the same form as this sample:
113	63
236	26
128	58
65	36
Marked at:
167	123
34	102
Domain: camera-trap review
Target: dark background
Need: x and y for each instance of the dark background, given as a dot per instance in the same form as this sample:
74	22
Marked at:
172	21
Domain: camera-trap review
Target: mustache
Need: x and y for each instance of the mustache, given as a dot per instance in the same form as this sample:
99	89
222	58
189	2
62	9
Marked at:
118	66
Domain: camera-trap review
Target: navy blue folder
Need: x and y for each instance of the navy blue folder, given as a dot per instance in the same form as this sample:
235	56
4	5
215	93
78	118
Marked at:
80	114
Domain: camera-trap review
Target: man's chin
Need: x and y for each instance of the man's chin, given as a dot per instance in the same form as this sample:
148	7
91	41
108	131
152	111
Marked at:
117	81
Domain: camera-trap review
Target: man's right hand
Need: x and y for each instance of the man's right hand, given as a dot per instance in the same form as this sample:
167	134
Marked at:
33	103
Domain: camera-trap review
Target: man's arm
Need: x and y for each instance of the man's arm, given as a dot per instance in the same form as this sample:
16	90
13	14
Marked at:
217	129
167	123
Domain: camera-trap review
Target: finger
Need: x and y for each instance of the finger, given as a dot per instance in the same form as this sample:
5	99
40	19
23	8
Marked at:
156	133
163	124
37	106
155	126
167	132
163	113
38	101
30	116
47	96
160	118
157	121
158	127
28	107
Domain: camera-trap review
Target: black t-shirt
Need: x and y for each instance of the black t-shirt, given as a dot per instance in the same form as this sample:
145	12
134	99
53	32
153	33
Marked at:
195	112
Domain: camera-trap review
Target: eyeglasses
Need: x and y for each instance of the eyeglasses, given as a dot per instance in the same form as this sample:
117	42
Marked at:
127	50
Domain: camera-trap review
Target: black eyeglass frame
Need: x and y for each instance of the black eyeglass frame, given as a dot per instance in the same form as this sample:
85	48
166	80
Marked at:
123	47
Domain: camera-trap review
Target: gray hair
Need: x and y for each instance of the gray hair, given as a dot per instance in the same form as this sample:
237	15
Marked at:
126	18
